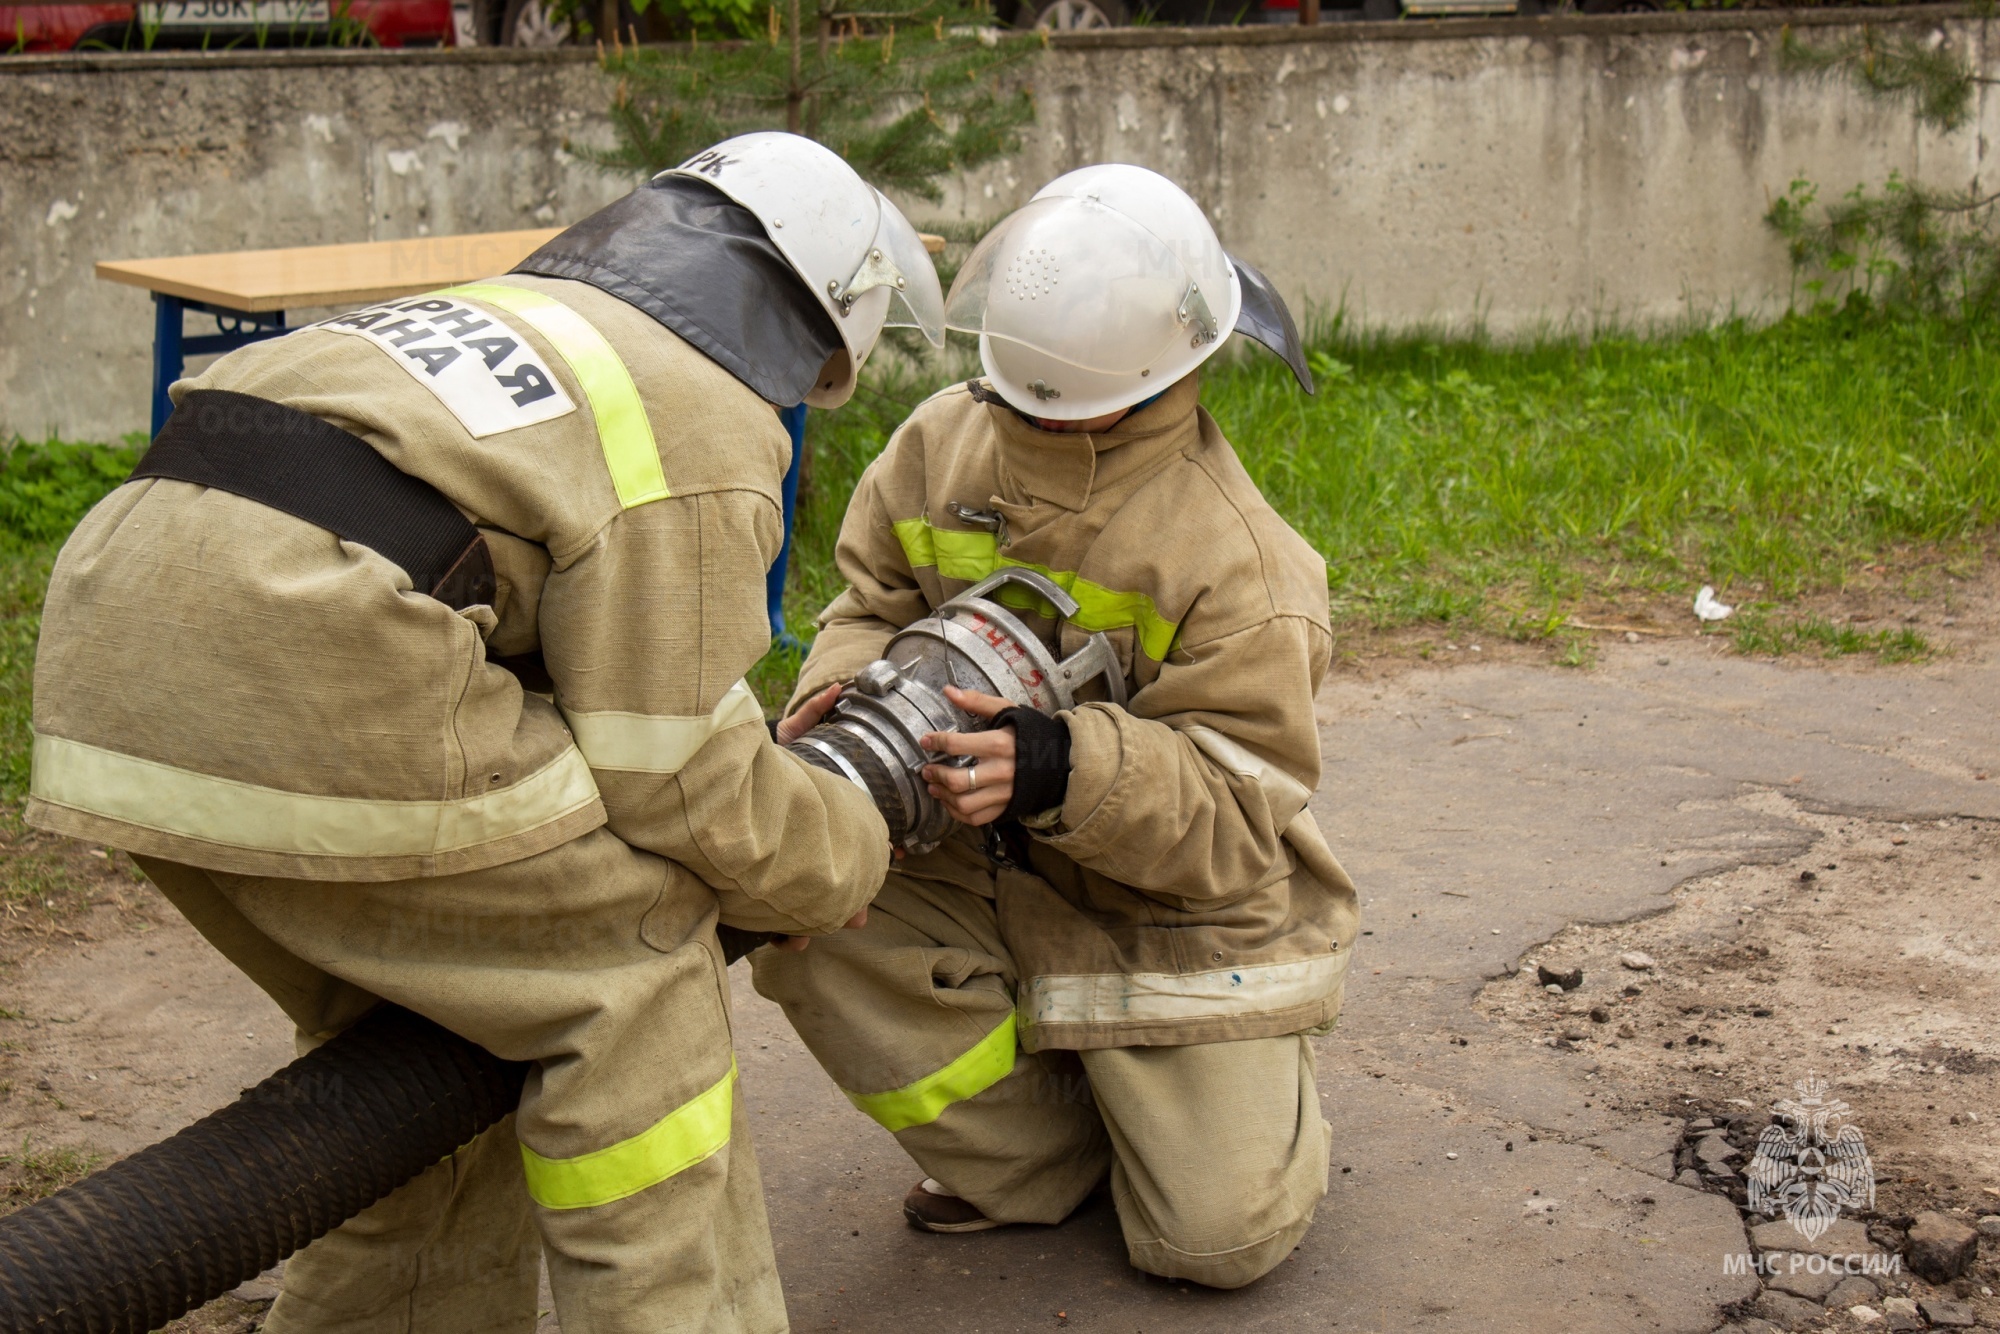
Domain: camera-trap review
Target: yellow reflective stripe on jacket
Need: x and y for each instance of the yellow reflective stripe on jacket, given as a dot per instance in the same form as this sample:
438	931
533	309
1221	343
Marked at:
990	1061
971	556
656	743
234	814
623	430
689	1134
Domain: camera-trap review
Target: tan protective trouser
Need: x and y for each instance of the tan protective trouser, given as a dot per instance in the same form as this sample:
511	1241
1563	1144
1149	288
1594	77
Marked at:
592	961
1217	1153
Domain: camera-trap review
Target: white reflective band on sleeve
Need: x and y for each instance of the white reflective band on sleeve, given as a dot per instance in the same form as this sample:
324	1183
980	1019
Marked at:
651	744
1287	795
201	806
1123	998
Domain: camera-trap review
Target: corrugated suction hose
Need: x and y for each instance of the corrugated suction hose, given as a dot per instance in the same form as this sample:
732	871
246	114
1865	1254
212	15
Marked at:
181	1222
157	1234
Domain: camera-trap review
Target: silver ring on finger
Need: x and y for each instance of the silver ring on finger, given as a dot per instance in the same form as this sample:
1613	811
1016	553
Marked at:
972	778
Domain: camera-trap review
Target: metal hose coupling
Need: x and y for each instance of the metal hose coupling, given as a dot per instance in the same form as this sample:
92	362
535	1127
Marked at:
972	642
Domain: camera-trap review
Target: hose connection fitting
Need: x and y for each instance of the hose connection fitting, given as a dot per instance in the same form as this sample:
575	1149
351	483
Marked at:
973	642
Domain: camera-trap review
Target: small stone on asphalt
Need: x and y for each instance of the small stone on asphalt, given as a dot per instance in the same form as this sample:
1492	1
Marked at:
1940	1248
1947	1314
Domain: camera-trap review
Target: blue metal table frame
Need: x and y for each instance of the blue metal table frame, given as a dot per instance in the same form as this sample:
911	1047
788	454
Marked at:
238	328
172	347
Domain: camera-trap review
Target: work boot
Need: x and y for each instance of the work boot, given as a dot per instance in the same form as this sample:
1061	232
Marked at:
931	1208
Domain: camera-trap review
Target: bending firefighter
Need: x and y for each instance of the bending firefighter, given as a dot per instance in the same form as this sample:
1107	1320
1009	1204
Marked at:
409	665
1114	963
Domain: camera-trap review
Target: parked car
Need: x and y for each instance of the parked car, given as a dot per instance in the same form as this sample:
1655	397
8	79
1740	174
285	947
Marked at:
1083	15
225	24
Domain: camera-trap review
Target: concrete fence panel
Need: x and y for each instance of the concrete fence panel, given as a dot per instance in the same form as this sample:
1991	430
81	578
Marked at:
1511	173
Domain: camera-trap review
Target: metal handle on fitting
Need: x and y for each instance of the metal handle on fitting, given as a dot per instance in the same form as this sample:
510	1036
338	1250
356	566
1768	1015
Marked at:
873	736
1095	658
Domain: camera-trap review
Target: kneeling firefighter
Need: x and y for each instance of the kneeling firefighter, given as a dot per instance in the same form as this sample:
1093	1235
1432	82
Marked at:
1119	972
409	665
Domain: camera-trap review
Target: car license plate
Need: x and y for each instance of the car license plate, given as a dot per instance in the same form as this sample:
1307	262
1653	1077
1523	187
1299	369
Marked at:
235	13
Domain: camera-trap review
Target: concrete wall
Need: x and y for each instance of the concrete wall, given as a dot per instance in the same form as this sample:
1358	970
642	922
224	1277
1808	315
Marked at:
1519	173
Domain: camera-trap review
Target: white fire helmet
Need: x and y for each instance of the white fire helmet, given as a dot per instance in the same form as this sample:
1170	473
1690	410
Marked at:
1105	289
854	249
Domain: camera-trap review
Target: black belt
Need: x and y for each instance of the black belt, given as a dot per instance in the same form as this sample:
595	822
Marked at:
312	470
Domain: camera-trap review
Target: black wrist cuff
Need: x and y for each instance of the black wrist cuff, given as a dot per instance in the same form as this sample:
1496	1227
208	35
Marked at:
1041	761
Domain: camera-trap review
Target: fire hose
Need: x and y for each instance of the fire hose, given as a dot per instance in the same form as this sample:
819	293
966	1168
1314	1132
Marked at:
178	1223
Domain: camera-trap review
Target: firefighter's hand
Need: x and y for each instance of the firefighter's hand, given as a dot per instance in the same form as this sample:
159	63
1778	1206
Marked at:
807	716
977	794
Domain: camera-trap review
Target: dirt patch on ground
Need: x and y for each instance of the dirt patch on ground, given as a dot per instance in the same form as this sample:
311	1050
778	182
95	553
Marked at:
1872	963
1950	603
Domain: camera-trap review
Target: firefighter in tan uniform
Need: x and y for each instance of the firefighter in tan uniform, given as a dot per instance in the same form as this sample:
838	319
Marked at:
470	734
1117	963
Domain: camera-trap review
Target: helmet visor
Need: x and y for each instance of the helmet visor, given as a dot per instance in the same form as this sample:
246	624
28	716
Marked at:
898	261
1083	283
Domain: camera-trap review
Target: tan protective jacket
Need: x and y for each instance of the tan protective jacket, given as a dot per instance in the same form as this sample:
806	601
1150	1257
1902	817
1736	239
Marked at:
1186	894
226	686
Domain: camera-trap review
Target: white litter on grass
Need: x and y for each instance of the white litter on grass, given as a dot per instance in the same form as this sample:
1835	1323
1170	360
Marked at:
61	211
451	131
1706	607
402	162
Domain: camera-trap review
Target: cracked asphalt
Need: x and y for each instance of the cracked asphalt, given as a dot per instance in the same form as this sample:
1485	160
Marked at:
1480	1183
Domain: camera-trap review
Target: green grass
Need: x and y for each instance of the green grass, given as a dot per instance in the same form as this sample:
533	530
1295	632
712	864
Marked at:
32	1174
1452	482
1759	634
1457	481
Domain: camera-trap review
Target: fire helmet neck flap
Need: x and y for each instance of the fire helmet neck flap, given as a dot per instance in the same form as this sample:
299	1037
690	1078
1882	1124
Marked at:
1109	286
860	257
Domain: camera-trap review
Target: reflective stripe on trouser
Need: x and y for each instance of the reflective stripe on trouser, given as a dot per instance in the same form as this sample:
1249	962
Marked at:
912	1014
595	961
1217	1152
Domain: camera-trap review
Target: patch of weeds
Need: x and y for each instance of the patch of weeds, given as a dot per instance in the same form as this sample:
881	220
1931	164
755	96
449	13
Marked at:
46	487
1523	627
32	1174
1577	651
40	879
1758	633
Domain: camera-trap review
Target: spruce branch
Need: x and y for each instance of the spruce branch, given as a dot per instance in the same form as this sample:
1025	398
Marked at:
1925	73
907	93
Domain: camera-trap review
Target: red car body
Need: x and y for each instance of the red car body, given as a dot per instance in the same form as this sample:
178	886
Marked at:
33	28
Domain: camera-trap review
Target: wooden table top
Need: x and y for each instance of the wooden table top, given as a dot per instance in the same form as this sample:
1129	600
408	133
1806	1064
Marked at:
334	275
329	275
